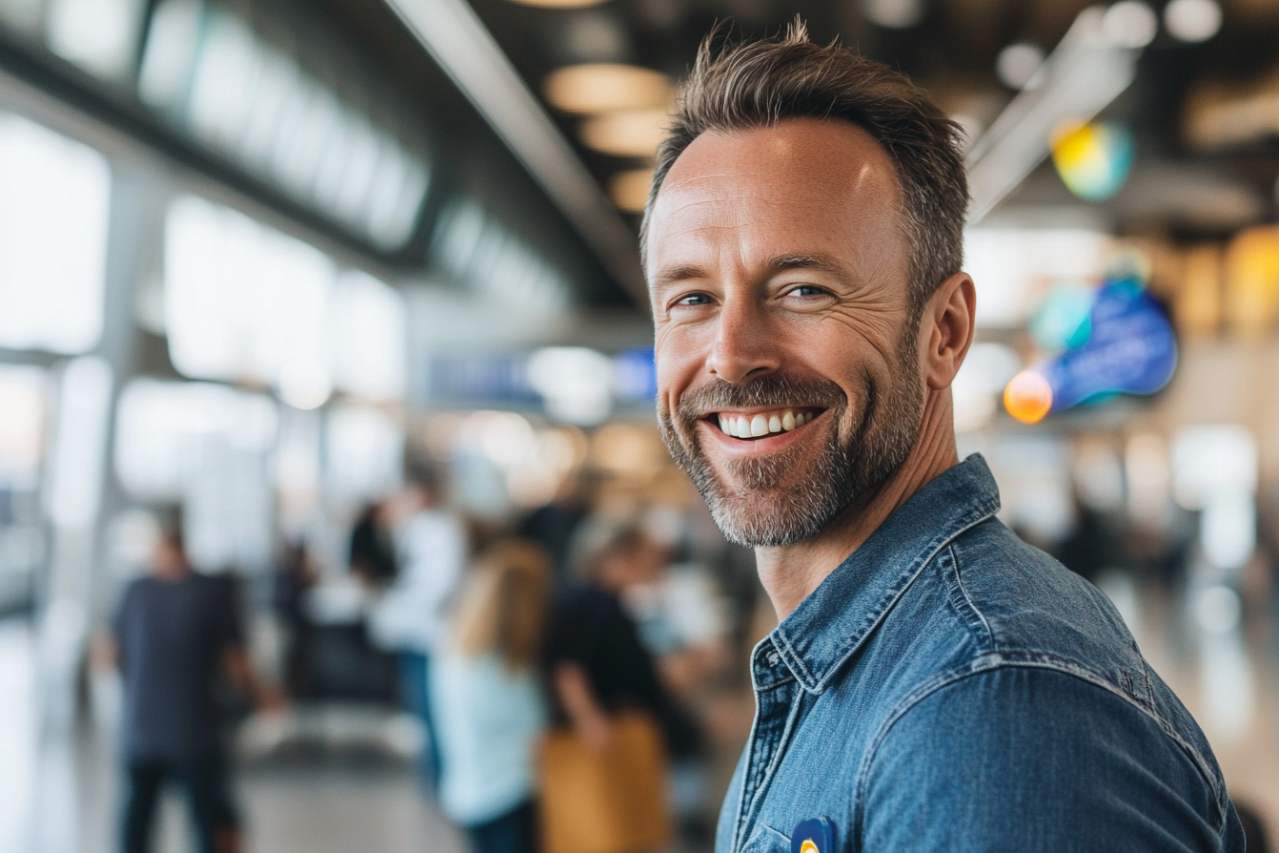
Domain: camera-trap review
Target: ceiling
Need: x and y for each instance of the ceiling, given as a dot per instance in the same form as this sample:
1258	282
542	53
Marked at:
1180	188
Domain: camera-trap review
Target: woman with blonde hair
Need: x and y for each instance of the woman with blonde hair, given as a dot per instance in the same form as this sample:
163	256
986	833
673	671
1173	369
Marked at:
487	698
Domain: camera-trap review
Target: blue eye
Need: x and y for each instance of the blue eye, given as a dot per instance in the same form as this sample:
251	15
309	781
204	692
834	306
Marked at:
808	290
695	299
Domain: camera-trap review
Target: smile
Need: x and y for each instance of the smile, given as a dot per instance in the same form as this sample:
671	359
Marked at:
760	424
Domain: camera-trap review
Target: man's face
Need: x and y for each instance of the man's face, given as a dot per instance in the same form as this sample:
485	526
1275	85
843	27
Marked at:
777	269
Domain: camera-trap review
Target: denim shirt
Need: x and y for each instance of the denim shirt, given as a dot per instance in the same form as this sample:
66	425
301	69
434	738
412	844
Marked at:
949	687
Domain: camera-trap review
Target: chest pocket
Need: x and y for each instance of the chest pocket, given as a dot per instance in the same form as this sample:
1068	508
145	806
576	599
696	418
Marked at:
765	839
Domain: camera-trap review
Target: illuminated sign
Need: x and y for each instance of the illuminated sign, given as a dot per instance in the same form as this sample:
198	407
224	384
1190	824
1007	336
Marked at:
1129	348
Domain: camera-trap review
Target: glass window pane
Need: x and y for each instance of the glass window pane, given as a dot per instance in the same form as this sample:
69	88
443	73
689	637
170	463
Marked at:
54	198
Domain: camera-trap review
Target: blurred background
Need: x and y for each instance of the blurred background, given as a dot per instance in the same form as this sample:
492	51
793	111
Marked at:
265	264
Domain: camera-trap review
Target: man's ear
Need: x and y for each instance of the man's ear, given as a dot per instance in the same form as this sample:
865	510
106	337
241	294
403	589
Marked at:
947	326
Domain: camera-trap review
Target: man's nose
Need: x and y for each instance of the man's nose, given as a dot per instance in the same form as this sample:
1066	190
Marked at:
743	348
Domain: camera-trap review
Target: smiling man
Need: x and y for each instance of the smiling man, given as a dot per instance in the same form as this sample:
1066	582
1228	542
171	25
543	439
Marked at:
934	684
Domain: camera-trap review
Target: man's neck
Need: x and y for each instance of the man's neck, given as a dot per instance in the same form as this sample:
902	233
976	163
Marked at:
790	573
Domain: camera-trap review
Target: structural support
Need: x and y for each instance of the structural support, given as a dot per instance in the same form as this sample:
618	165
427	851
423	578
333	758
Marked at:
459	42
1086	71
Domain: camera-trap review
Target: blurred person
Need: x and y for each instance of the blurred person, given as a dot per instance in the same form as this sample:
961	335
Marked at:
371	551
176	634
486	697
431	546
295	575
596	661
934	682
553	524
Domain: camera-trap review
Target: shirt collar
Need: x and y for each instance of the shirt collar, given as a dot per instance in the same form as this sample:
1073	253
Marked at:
833	621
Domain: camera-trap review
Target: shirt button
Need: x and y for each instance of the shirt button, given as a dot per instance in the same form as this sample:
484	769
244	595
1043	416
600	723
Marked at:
773	658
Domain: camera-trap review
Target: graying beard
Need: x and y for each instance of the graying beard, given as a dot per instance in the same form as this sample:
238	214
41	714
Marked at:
855	470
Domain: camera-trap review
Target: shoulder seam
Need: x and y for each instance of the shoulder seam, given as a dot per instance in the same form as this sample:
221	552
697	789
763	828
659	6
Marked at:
959	582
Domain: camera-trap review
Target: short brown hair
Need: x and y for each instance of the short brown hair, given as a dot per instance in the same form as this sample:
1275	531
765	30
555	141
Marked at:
758	84
503	606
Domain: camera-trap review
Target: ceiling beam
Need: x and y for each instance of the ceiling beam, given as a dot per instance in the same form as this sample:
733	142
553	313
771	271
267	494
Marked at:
1087	70
456	38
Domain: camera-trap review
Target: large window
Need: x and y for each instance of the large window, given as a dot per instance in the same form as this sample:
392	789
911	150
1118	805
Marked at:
207	447
245	302
54	196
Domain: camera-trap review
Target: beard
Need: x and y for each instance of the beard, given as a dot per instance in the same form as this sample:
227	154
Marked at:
777	500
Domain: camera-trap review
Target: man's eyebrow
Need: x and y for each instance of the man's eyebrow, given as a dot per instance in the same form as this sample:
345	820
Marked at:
674	274
821	263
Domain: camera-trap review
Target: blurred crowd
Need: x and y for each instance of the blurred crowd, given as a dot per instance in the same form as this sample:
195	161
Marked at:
569	669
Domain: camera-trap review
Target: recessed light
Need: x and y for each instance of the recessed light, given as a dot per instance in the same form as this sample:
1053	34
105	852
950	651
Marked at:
629	189
1192	20
605	87
632	133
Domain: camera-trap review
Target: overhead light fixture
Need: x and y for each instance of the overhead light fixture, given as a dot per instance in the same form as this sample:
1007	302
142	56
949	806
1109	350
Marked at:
1192	20
1018	63
605	87
629	190
1130	23
894	14
633	133
559	4
1095	61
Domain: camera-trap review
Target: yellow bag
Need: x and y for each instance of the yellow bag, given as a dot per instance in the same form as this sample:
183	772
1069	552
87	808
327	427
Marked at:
612	801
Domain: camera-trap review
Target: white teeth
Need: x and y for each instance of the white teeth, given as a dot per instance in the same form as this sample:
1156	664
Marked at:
758	425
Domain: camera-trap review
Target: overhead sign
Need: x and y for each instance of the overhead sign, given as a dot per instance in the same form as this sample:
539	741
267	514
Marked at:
1130	348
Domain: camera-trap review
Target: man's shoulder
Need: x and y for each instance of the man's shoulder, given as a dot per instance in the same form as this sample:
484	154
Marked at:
1021	611
1024	605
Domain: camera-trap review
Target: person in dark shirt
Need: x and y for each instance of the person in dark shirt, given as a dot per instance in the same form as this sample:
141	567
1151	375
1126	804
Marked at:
175	635
595	660
371	552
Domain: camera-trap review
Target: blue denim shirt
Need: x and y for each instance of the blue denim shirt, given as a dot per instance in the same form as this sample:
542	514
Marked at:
949	687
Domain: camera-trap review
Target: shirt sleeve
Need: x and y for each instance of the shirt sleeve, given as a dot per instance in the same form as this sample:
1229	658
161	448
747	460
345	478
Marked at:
1023	759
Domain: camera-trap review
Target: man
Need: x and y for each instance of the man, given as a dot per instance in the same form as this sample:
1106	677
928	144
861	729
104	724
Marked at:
176	634
934	684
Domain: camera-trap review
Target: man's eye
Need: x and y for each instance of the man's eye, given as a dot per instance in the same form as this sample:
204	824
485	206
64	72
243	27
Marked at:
807	290
694	299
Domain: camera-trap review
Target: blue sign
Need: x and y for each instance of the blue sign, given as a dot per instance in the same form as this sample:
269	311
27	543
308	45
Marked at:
1131	349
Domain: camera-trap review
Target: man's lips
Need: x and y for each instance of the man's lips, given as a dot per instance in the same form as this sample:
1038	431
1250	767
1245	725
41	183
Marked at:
761	423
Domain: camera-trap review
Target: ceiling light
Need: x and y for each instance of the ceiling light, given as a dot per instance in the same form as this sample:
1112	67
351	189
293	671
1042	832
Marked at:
559	4
1130	23
1017	64
1193	20
603	87
634	133
895	14
629	190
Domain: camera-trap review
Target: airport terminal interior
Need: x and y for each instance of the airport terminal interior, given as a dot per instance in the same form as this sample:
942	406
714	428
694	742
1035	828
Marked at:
280	279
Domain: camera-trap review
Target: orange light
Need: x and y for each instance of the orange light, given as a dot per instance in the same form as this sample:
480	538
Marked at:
1028	397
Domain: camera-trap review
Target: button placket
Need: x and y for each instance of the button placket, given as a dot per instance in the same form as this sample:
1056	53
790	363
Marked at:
775	691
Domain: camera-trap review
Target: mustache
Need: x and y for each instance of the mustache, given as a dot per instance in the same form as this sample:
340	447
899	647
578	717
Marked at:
766	391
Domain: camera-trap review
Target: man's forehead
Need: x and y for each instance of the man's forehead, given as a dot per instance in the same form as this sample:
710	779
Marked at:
803	151
766	181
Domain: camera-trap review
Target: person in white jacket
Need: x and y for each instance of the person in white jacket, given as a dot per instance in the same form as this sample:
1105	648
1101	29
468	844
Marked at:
408	618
